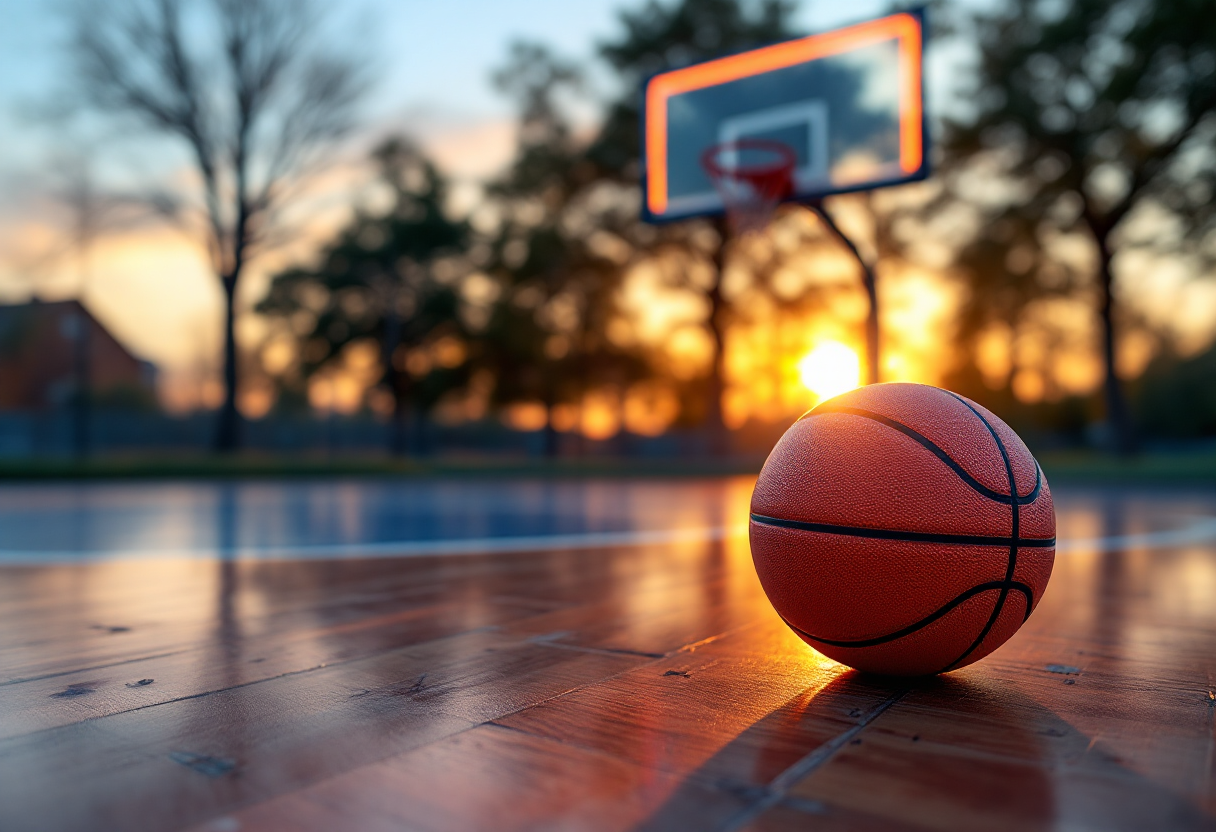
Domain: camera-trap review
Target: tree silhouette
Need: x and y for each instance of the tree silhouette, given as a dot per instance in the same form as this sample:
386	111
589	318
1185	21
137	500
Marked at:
558	259
1087	114
249	88
393	278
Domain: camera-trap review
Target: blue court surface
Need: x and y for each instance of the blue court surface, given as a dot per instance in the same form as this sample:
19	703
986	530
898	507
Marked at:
66	523
356	518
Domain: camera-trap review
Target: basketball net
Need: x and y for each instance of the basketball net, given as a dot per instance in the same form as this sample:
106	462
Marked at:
752	176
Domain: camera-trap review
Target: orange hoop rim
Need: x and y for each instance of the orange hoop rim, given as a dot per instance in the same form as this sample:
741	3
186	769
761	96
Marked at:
758	174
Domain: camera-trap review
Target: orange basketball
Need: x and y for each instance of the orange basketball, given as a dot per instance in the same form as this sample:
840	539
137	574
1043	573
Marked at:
902	529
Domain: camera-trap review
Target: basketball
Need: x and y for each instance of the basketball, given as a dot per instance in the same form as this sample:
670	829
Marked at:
903	530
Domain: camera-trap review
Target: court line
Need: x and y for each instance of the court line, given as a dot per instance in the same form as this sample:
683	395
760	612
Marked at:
1201	531
397	548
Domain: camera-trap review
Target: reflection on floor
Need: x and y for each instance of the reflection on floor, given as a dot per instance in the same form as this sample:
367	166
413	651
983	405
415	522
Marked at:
90	521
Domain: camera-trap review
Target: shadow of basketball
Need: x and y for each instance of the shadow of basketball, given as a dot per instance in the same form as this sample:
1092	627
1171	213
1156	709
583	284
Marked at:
963	751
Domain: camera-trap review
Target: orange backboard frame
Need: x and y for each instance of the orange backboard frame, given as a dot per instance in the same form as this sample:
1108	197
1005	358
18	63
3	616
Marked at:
906	28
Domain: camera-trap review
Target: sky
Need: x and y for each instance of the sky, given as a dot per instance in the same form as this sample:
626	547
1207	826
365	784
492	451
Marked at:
435	59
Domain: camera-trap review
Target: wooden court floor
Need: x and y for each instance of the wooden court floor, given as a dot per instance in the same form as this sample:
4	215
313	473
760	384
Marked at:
629	687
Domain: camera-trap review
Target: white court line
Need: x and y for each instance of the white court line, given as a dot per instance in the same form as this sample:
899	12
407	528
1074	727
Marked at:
395	549
1199	532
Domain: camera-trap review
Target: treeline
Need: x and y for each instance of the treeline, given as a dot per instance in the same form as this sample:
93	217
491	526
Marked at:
1083	146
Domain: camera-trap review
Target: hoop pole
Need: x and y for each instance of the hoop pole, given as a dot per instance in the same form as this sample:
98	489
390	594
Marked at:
719	440
869	282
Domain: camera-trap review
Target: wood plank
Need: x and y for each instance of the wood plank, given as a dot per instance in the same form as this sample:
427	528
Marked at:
192	758
487	778
62	699
690	741
654	623
1145	665
736	712
797	815
224	601
971	752
249	648
656	601
153	609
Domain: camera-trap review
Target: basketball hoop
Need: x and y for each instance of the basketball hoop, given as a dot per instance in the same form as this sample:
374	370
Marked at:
752	176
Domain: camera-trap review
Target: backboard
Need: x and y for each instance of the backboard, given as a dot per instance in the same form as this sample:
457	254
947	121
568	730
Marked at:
849	103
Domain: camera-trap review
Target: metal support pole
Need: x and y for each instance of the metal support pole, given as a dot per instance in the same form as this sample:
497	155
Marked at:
871	287
719	438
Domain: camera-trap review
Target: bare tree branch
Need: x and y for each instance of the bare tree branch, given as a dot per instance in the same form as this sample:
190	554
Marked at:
250	90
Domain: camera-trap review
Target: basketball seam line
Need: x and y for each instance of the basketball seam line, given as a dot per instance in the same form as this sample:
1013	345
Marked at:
910	536
978	589
1015	534
938	451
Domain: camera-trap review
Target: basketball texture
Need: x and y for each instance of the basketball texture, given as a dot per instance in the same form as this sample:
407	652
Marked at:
902	529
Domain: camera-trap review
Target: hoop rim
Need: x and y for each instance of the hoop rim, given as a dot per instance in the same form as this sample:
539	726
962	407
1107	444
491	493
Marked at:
784	165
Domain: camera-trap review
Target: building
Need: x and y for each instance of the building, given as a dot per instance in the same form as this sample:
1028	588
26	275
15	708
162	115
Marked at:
42	360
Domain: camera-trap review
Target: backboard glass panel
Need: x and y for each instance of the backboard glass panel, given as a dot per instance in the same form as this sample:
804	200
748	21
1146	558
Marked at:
849	103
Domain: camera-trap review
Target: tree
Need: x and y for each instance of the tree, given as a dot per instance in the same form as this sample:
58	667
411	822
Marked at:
1005	273
1087	114
558	253
392	278
249	88
1177	398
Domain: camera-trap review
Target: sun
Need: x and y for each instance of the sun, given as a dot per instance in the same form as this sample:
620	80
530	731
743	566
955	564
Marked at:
830	369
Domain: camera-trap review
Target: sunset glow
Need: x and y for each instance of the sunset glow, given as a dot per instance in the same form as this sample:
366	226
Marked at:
830	369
